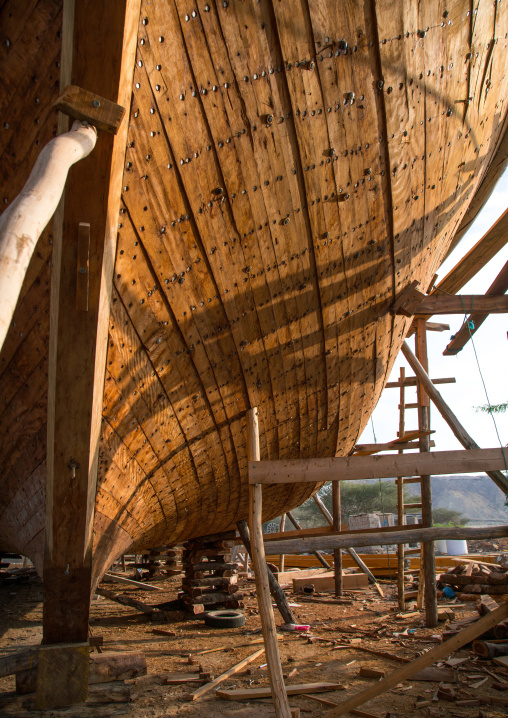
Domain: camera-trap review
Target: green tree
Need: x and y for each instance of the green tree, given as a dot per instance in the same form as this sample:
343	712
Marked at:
449	517
494	409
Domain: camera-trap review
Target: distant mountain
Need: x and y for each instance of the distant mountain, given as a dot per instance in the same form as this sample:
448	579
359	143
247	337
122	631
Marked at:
477	497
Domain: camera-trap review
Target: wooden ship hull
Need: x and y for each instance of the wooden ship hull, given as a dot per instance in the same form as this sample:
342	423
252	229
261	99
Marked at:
290	168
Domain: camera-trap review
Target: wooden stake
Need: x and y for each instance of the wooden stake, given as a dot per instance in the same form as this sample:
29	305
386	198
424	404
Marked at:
282	526
400	495
428	554
279	696
428	659
278	594
337	525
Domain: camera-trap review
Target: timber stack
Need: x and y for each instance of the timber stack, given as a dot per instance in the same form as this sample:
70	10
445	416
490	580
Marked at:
477	579
211	575
161	561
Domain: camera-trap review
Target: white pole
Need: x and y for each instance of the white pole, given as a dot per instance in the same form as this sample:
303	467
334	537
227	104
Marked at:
24	220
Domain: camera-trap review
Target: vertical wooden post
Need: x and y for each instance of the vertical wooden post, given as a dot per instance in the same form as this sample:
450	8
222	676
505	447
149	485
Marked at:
276	679
429	561
95	36
400	496
282	526
337	523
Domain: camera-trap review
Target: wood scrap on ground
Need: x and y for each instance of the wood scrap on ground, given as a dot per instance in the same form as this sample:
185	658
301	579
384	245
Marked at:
428	659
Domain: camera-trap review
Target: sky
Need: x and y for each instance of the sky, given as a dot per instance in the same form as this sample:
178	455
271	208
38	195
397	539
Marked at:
491	345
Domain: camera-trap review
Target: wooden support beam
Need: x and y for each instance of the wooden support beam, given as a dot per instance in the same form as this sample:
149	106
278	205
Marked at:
450	418
278	690
488	303
282	526
278	594
428	554
413	381
408	534
403	438
412	302
478	257
375	467
361	565
104	36
428	659
476	319
435	327
328	531
400	494
337	525
369	449
297	526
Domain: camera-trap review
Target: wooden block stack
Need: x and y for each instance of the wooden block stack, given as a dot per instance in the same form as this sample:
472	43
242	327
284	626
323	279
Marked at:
477	578
162	561
211	576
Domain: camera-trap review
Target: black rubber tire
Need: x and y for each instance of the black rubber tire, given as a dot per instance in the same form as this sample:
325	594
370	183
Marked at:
225	619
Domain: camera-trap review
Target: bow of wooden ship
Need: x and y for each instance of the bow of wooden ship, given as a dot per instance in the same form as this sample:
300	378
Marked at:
286	170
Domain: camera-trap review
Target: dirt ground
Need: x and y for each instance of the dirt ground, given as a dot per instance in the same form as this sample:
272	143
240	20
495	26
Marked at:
370	618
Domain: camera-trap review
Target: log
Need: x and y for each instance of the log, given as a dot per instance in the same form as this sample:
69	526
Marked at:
480	588
448	415
116	666
501	630
406	535
276	591
490	650
24	220
435	654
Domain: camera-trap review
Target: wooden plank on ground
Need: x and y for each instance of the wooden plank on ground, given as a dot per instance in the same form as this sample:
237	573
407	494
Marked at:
375	467
245	694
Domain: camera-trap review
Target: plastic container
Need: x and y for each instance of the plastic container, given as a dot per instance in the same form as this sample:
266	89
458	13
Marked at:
441	546
456	547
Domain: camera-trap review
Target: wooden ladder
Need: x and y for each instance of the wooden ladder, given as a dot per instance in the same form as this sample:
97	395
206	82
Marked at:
401	552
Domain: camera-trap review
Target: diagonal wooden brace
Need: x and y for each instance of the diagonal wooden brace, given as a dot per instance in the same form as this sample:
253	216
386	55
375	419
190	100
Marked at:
89	107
